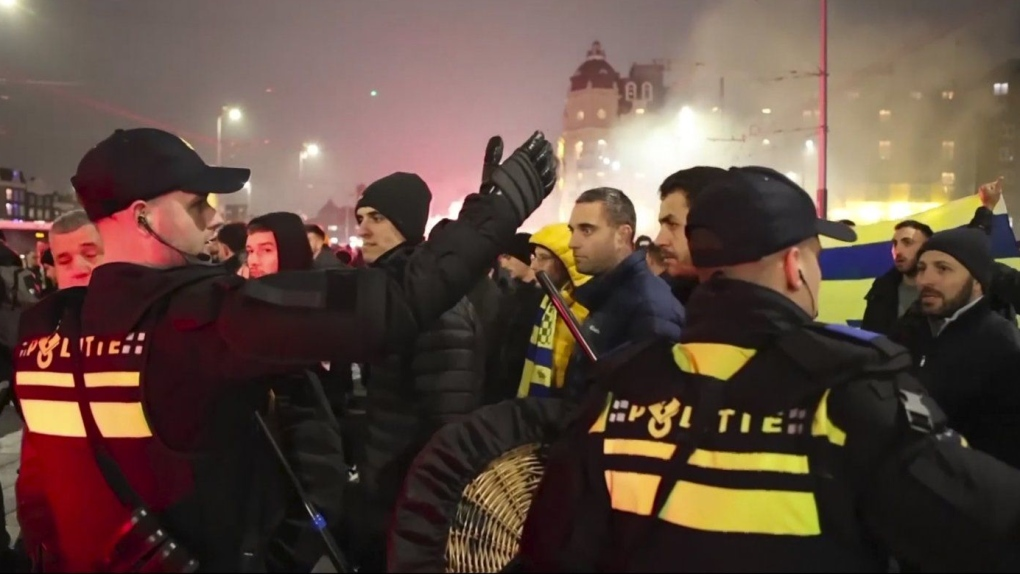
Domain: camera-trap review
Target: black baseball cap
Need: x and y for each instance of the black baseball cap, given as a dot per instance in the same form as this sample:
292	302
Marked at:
752	212
143	164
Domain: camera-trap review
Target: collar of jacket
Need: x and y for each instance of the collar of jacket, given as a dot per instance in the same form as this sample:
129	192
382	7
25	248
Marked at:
739	313
970	313
601	287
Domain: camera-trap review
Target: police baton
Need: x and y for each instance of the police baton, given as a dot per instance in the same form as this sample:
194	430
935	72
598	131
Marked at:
318	521
564	312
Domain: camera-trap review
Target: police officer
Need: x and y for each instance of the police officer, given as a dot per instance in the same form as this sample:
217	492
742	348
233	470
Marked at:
765	441
141	450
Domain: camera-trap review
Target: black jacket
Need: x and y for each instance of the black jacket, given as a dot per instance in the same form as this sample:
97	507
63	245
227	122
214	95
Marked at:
883	298
971	368
625	305
326	259
412	394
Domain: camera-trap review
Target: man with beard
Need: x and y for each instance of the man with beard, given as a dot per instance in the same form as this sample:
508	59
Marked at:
965	354
893	293
677	193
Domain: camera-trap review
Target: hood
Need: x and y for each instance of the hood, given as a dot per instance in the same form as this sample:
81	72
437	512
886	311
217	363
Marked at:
556	238
293	251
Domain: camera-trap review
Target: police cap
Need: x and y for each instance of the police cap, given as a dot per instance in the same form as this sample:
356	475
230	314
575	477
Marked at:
750	213
143	164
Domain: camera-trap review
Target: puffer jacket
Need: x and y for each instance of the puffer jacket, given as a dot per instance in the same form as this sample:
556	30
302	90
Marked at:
413	394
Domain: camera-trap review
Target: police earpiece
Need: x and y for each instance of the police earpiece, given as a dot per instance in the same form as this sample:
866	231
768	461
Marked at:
814	304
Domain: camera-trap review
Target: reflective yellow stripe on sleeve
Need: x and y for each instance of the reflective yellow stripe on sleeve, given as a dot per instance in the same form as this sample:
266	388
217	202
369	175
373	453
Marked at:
822	426
716	509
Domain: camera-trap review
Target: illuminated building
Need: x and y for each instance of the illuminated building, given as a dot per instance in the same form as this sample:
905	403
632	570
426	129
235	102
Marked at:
999	126
599	100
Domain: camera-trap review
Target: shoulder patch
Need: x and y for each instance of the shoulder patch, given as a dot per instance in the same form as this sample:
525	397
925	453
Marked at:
852	332
859	337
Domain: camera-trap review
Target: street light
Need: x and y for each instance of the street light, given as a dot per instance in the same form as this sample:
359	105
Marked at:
234	115
308	150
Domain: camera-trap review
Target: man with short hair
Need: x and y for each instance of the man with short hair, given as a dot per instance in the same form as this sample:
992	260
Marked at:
626	303
411	394
765	441
677	192
164	363
322	255
892	294
76	248
965	353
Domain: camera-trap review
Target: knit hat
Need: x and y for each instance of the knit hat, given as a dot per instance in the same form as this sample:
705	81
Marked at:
404	199
971	247
520	248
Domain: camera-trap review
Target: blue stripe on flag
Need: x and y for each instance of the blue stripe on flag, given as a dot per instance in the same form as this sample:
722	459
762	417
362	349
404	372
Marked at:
871	260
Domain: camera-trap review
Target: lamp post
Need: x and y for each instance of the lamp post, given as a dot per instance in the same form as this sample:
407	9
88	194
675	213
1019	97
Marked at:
232	114
308	150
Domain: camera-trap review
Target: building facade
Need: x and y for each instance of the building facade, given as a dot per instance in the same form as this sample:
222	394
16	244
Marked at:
600	101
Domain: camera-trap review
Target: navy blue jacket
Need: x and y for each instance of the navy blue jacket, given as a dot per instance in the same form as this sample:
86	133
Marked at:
626	305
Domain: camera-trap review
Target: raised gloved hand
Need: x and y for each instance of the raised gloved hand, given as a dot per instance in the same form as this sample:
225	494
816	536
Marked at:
527	177
493	155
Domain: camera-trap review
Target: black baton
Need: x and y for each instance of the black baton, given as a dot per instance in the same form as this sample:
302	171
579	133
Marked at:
561	307
318	521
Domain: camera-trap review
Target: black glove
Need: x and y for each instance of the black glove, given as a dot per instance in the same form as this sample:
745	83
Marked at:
527	177
493	155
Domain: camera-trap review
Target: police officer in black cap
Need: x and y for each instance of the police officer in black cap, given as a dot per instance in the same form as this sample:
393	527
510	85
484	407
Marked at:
141	446
765	441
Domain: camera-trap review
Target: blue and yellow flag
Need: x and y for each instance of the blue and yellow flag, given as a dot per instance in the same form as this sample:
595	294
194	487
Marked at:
849	270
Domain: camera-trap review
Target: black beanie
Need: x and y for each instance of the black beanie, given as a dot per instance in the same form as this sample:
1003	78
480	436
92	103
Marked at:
293	251
404	199
971	247
520	248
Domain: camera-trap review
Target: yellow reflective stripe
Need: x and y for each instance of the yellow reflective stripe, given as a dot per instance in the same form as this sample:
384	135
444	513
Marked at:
44	379
751	461
121	420
600	423
715	509
636	447
711	359
112	379
54	418
822	426
631	491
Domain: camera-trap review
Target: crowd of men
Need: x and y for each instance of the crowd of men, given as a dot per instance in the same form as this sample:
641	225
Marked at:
351	428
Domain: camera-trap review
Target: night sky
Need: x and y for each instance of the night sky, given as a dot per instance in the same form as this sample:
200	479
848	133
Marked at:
448	73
